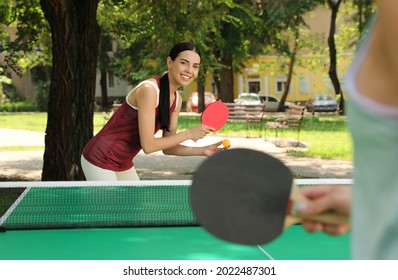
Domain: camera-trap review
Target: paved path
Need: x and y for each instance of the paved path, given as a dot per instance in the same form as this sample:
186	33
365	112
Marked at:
27	165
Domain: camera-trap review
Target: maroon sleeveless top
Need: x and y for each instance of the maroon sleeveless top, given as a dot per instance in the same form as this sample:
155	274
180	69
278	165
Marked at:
118	142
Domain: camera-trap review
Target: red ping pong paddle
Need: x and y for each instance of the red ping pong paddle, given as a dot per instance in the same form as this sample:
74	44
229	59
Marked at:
215	115
245	196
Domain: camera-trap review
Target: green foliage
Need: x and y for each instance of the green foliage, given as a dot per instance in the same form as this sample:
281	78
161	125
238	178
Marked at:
21	106
148	29
4	81
43	92
31	45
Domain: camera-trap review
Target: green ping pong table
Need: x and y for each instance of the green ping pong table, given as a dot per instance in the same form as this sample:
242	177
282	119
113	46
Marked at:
145	220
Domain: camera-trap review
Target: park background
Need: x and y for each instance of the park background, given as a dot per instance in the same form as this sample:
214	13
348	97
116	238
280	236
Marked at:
73	60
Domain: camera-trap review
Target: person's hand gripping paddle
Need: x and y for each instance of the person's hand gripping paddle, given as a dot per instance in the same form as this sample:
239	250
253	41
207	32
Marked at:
215	115
246	197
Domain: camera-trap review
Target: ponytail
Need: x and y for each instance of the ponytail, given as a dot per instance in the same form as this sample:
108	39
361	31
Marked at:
164	102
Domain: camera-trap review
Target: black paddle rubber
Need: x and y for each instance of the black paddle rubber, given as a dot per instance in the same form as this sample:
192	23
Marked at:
241	196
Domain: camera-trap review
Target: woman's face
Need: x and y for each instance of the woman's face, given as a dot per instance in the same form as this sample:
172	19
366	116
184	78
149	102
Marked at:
184	69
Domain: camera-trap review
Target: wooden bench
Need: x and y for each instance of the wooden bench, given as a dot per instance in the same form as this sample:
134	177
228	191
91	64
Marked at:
292	120
108	115
249	114
116	106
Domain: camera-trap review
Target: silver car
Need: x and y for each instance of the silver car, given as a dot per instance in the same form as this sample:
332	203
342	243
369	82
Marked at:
271	103
248	99
322	103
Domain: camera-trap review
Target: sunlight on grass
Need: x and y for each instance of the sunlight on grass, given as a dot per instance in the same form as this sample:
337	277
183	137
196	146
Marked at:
326	137
38	121
24	121
327	145
21	148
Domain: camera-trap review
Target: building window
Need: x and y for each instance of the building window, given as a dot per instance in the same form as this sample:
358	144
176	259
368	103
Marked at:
280	84
254	86
304	85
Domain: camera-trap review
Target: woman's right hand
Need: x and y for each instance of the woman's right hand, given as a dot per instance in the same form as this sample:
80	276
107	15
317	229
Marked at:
200	131
323	199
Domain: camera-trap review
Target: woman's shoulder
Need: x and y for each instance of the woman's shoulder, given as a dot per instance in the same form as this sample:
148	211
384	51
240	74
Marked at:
148	84
148	88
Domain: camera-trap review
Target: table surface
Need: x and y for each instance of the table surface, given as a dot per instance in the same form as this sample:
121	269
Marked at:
164	243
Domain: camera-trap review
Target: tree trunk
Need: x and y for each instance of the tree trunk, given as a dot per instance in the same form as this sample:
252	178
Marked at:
75	40
281	106
201	97
334	6
217	82
227	80
104	90
216	73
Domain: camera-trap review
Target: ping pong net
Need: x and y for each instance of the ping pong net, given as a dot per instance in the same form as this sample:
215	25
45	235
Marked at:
81	204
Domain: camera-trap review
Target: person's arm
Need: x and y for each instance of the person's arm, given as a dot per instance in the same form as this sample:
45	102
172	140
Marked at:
387	21
145	99
325	199
182	150
377	75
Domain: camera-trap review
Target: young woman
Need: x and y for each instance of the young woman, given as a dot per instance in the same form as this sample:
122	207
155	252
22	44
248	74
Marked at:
152	105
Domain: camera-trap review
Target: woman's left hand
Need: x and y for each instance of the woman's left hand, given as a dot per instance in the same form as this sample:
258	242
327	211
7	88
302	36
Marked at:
213	148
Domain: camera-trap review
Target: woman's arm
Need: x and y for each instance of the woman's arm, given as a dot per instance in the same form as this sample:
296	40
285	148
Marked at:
145	99
181	150
387	18
377	75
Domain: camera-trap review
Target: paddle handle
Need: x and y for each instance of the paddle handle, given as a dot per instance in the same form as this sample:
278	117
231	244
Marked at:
330	218
295	217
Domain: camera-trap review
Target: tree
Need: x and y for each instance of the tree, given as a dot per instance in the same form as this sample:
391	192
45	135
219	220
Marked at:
148	29
334	6
238	38
74	45
104	62
28	49
283	23
75	40
365	9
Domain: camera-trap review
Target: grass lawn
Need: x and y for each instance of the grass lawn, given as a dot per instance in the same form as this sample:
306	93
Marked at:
326	136
37	121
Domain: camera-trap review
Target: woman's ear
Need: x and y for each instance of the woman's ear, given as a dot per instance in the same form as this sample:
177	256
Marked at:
169	62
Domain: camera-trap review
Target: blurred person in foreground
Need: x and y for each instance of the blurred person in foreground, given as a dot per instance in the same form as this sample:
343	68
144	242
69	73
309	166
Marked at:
372	85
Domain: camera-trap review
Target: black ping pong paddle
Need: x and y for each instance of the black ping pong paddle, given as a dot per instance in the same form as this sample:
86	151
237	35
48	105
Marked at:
245	196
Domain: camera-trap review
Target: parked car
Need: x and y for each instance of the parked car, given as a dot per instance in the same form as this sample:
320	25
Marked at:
192	103
271	103
322	103
248	99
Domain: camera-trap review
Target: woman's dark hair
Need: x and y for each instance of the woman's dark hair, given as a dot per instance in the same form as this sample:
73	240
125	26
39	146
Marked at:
164	95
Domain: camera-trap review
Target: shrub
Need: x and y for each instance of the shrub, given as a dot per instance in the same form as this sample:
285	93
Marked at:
43	91
20	106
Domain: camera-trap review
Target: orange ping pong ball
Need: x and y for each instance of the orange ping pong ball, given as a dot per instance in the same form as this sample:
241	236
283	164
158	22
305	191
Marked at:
226	143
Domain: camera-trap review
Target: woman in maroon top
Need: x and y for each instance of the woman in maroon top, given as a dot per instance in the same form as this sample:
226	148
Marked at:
152	105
